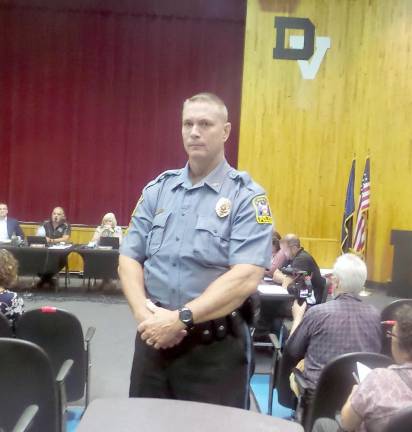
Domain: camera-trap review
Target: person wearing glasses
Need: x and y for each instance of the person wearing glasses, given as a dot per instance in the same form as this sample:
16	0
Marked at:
108	228
384	391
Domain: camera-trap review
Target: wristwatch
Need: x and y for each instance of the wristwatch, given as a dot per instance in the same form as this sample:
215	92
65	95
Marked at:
186	316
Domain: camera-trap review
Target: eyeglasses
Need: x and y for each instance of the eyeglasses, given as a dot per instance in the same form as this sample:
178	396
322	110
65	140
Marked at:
391	334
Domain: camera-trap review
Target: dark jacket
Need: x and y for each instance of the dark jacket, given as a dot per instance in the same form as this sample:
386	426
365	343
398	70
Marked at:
13	228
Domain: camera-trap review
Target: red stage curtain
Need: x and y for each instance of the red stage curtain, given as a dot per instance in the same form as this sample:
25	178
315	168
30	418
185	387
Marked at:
91	95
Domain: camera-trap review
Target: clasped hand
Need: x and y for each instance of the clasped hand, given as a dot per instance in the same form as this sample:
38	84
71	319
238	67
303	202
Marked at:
162	329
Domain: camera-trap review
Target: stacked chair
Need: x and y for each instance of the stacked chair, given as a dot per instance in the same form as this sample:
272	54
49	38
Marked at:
50	361
60	334
27	379
5	328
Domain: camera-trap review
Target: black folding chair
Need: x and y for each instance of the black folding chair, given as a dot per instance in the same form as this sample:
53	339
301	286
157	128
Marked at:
388	314
27	378
26	419
334	386
5	328
60	334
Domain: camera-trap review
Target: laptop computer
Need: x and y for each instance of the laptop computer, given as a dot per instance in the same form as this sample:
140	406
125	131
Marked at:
36	240
109	242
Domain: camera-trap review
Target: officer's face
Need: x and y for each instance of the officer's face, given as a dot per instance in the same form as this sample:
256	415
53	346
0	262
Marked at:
204	131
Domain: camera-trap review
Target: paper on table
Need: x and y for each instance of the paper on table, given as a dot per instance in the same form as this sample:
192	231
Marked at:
363	371
65	246
272	289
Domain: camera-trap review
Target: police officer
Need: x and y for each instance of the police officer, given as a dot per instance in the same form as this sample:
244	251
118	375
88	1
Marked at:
197	245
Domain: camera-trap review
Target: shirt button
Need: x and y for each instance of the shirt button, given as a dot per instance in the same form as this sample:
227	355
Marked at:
173	290
174	264
177	238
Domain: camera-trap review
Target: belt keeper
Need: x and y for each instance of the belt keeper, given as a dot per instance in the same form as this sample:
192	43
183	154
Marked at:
206	335
220	327
236	320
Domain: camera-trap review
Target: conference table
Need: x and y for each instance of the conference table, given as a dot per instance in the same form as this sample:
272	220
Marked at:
99	263
39	261
275	306
161	415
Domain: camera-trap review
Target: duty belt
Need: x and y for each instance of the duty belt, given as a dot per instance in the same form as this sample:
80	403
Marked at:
218	329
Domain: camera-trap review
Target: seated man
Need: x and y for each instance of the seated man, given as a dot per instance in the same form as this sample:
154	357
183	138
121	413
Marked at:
299	259
340	326
9	227
57	229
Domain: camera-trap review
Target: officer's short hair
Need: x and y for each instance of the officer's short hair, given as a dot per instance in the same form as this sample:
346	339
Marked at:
211	98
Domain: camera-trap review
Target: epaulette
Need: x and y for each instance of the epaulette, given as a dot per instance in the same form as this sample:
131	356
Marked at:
246	180
163	175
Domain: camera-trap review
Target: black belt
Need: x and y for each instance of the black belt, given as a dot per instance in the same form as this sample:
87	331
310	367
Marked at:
217	329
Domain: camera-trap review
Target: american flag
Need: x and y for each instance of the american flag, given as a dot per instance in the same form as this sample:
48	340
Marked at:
359	243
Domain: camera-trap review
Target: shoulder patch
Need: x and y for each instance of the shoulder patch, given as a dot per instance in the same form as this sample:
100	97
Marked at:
262	209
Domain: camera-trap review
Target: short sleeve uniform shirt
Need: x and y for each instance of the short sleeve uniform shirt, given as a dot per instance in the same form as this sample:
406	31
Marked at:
188	235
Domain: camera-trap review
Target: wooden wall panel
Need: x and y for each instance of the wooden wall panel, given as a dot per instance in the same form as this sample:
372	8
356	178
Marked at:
298	136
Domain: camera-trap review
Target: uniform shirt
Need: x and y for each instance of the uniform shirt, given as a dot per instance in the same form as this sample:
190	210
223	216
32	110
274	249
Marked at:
381	395
337	327
61	230
186	236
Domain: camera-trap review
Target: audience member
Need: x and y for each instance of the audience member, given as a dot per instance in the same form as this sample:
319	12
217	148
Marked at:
278	256
9	227
11	305
340	326
299	259
384	391
108	228
57	229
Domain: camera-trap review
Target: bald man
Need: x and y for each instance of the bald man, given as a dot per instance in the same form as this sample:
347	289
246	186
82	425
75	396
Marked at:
57	229
301	260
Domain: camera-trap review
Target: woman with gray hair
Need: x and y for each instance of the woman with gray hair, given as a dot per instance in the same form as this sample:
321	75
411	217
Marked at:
108	228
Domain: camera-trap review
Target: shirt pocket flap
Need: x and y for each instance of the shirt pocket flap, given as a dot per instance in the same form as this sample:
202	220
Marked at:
160	220
213	227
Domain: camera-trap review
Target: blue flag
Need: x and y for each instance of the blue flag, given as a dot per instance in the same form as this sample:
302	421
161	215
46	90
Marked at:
347	223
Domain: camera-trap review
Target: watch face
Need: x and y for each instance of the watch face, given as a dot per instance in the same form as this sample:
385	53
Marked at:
185	315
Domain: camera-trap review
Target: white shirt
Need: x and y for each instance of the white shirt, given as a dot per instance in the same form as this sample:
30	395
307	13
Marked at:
4	235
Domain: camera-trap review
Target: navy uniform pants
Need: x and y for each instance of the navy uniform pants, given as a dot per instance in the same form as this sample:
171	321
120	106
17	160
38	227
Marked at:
217	371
